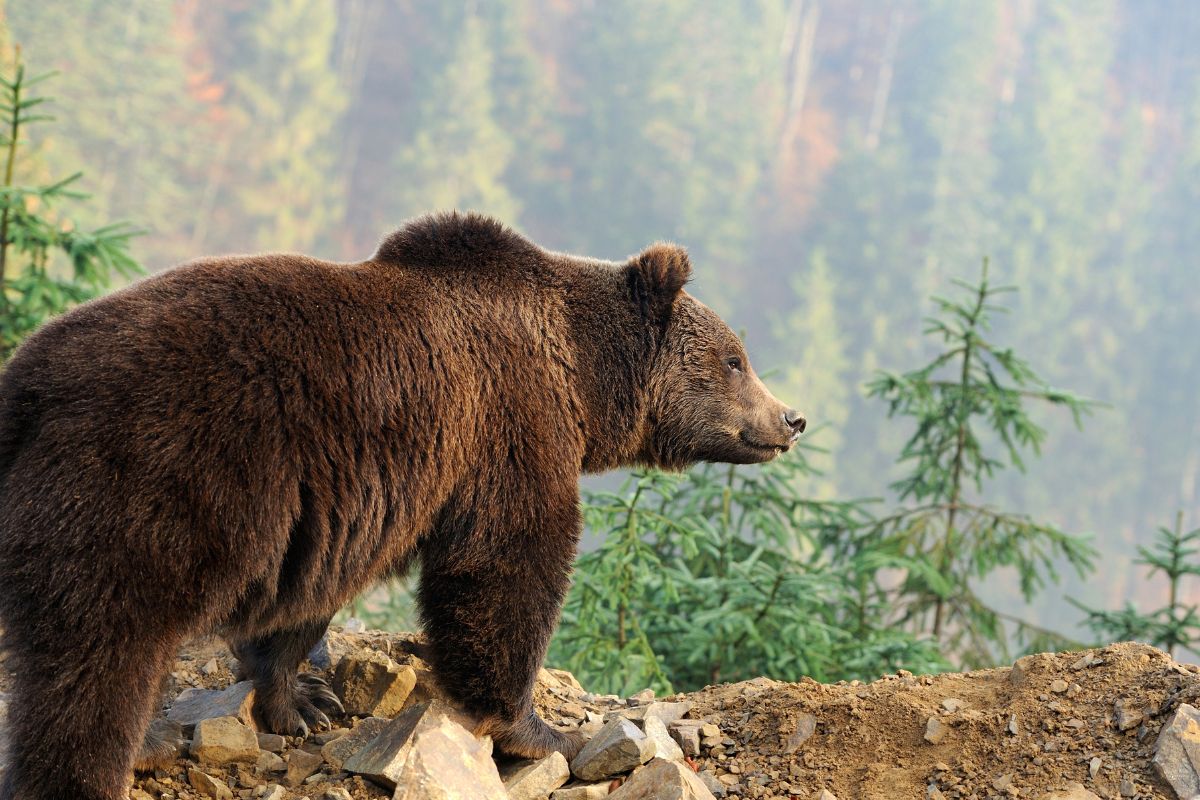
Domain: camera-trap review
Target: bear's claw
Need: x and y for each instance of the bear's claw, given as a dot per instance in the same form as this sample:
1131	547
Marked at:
299	707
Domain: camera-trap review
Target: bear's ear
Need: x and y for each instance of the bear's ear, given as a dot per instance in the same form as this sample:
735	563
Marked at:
656	277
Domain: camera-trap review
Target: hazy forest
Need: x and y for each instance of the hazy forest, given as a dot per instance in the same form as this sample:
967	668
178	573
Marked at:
830	166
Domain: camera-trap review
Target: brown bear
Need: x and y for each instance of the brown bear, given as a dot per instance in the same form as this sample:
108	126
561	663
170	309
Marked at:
243	444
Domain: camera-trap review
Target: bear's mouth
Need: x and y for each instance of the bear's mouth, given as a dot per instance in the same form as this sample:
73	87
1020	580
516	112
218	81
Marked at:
757	445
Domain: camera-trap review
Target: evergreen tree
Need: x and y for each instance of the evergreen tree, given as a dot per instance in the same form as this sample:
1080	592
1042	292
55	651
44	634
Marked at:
1175	625
968	401
46	264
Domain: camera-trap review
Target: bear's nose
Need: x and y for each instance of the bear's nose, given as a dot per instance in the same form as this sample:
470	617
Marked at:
794	420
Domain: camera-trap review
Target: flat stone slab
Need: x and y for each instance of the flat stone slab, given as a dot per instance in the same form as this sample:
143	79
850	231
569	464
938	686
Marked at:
209	786
663	780
535	779
664	746
194	705
446	762
383	758
1177	751
618	747
345	747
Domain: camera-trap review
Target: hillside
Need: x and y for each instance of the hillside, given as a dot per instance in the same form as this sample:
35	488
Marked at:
1070	725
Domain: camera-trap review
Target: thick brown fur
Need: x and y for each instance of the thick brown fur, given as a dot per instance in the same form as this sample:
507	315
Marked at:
243	444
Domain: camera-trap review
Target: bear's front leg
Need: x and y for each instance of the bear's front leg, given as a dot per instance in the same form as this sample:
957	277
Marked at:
285	701
492	583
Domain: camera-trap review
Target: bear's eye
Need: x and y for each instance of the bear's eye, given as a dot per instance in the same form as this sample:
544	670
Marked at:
734	364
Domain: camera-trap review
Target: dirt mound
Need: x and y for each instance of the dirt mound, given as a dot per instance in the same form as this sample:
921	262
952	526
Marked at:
1051	720
1088	717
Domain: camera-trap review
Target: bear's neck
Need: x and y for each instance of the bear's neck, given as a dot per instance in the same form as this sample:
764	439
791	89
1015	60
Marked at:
613	350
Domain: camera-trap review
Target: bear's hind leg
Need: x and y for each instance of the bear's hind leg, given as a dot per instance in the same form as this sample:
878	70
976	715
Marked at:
489	615
285	701
79	713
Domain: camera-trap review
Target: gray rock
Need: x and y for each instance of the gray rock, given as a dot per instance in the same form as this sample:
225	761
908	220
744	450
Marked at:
383	758
535	779
935	730
711	783
224	740
617	748
592	791
336	793
1128	713
1177	751
687	733
269	763
325	737
1072	791
663	780
195	705
340	750
274	792
565	678
664	746
445	762
300	765
209	786
373	684
329	651
806	726
272	742
667	712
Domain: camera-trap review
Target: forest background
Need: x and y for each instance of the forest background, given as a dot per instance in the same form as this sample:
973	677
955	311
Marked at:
829	165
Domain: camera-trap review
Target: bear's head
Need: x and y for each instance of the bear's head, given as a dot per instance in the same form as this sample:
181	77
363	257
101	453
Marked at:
705	402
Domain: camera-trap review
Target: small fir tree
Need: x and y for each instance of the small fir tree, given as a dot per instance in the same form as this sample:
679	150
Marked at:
46	266
969	409
1175	625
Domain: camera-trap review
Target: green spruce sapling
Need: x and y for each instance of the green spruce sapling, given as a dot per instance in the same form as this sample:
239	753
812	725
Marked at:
969	410
1175	625
34	285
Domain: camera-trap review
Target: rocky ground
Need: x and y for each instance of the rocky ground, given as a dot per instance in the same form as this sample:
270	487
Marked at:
1112	723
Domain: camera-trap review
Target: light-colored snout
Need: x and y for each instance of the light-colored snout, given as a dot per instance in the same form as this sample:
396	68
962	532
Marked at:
777	424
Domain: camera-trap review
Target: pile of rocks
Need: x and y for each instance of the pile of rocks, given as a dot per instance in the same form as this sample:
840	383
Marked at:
402	738
1118	723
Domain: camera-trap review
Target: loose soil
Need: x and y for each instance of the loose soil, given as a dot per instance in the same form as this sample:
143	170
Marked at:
1088	717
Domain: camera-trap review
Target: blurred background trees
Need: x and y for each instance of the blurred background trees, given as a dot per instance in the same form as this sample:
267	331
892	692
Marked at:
830	165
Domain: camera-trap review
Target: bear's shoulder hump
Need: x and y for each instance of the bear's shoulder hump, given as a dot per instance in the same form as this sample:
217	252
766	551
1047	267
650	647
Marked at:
454	239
